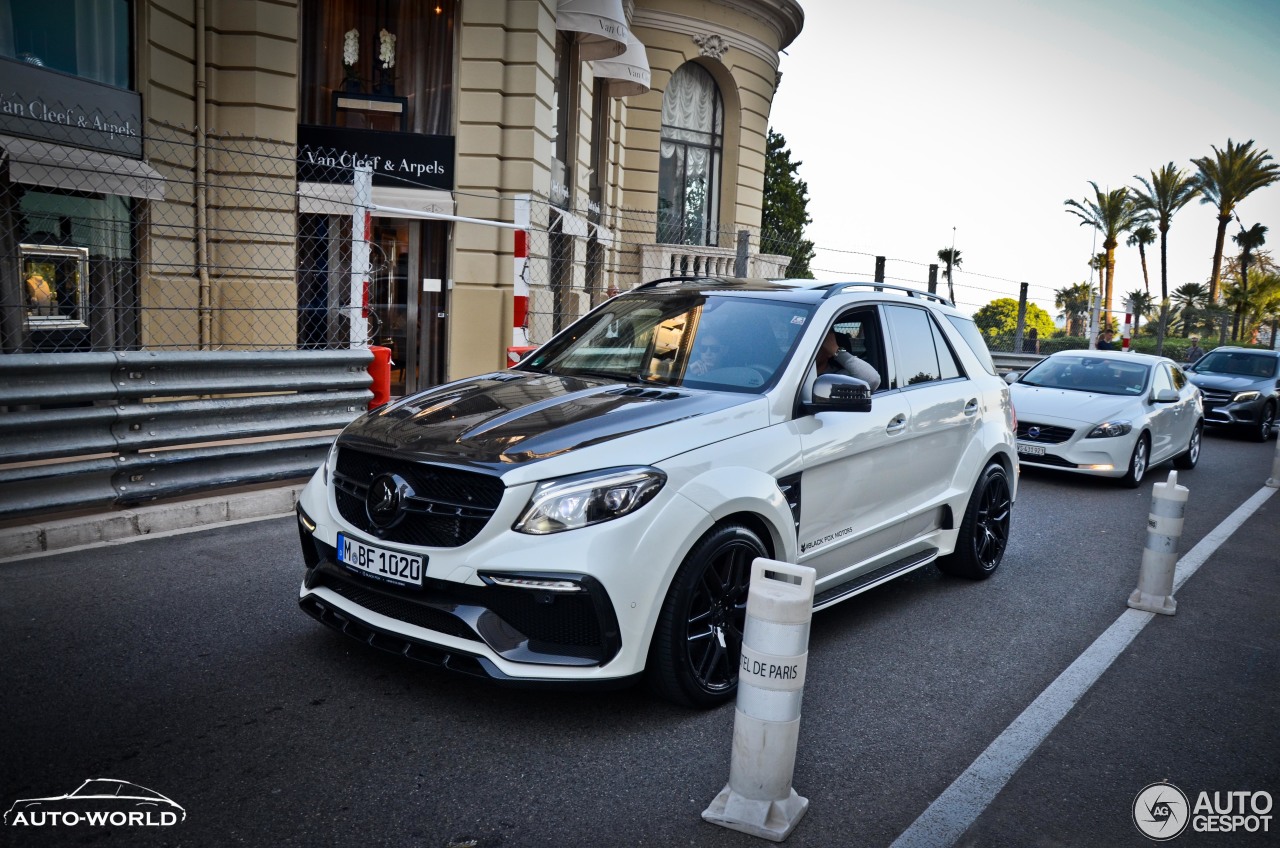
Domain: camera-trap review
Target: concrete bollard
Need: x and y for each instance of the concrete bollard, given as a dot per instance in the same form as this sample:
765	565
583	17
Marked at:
1160	556
1274	480
759	799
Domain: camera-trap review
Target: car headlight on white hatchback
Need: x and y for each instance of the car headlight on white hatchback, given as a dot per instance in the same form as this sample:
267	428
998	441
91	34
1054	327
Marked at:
1110	429
1242	397
581	500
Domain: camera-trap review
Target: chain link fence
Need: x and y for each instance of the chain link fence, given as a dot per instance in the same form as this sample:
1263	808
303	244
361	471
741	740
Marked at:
202	246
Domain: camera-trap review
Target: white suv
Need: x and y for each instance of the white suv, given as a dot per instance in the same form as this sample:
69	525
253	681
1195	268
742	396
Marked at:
591	515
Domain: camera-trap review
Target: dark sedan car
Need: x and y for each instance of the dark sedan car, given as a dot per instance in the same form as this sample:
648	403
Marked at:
1241	388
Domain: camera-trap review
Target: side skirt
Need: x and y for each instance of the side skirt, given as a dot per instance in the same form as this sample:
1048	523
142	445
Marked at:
871	579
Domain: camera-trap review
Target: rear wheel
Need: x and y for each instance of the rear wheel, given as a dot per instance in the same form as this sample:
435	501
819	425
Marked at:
984	531
1138	463
698	641
1266	419
1188	458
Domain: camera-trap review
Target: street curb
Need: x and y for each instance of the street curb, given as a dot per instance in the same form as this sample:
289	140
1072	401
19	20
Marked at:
64	533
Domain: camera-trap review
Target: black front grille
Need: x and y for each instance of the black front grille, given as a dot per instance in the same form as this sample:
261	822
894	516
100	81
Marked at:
449	507
1047	434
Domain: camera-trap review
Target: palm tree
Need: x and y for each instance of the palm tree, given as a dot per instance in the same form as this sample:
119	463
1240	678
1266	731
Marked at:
1141	237
1248	240
1111	213
1141	302
951	257
1168	190
1226	178
1188	298
1074	301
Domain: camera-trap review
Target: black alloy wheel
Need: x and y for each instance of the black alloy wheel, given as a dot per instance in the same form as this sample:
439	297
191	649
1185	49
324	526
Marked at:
698	642
984	531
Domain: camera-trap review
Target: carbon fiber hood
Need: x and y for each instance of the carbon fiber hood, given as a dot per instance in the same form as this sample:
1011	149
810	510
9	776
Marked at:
497	420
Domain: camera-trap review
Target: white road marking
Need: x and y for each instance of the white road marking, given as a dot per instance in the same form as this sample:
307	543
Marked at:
958	807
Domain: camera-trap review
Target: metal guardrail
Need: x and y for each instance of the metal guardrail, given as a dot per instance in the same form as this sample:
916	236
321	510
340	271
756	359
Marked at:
1006	362
102	429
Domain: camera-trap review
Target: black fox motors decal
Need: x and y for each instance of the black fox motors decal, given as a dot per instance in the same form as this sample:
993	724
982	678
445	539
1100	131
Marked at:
830	537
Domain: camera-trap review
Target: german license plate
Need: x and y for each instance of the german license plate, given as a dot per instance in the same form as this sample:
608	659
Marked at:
380	563
1031	450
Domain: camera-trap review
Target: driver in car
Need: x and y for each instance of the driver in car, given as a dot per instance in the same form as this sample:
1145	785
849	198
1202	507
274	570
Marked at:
832	359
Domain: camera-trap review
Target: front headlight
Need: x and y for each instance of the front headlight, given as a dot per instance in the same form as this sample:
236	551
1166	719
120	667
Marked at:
1110	429
585	499
1244	396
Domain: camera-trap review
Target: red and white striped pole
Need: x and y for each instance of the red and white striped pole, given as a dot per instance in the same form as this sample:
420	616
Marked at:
520	312
1128	329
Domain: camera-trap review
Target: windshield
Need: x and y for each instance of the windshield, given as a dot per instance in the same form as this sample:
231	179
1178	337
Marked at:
1238	364
1088	374
731	343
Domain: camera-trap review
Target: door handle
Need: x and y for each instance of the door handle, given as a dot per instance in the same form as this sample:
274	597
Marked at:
971	408
897	424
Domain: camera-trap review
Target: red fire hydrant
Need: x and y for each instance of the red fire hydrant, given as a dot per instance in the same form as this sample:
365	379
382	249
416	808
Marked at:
380	371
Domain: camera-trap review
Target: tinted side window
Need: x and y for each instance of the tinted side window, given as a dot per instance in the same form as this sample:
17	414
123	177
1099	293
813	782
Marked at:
1179	379
947	364
971	334
1162	380
912	332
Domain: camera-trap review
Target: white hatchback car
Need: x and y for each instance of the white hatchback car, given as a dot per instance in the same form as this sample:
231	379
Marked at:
592	514
1108	413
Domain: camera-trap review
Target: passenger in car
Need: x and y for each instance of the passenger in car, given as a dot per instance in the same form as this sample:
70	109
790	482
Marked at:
831	359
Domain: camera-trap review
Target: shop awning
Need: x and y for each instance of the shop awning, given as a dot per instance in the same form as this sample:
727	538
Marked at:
600	26
627	74
336	199
48	165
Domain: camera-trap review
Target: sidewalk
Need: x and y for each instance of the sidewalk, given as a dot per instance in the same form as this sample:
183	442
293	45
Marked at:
46	536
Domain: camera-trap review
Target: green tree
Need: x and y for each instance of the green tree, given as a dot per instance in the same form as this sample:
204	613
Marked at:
1142	303
1188	298
998	320
1075	301
1110	213
951	258
786	209
1163	195
1142	236
1248	240
1226	178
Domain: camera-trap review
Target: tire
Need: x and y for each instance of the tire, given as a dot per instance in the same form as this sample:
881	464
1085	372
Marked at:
1261	431
984	531
697	645
1138	463
1189	457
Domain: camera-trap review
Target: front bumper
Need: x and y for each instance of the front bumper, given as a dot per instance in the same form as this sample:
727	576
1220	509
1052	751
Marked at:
1066	448
462	627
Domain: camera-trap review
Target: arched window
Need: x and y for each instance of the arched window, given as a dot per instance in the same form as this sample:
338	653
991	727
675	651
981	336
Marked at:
689	167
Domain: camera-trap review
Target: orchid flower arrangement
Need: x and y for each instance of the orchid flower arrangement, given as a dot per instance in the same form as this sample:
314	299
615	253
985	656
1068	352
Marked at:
350	48
387	49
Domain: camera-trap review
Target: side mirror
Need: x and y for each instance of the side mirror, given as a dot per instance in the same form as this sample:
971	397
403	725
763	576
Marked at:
841	393
1011	377
1165	396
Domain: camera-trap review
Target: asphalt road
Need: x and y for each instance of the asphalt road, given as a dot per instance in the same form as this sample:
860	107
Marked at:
183	664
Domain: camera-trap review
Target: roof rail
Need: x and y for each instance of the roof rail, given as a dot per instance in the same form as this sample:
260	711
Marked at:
700	279
836	288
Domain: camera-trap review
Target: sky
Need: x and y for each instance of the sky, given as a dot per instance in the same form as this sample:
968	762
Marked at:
919	121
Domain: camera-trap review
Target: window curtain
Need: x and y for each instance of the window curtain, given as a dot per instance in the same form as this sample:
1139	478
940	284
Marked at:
424	52
688	173
102	41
